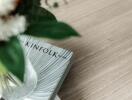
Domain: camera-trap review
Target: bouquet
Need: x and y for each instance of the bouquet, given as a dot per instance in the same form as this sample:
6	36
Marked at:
25	17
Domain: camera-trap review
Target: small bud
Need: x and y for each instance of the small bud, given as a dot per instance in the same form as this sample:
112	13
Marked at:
56	5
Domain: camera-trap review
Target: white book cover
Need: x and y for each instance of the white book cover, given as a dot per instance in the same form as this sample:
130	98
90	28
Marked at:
51	64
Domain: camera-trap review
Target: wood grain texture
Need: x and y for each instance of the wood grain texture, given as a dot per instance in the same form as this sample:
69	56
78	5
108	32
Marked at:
102	68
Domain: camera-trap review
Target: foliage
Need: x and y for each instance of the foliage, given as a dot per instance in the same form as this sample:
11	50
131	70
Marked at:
41	23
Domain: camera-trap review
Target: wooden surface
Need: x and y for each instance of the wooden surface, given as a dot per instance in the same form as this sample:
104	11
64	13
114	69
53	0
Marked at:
102	68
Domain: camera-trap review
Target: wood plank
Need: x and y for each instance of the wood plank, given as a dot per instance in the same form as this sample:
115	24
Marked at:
102	68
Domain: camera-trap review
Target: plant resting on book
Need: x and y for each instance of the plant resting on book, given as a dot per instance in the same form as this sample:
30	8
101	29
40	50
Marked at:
25	17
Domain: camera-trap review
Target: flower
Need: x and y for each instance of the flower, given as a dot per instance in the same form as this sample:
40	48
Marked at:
12	26
6	6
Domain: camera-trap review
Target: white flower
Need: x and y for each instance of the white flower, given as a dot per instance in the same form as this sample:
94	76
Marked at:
6	6
12	26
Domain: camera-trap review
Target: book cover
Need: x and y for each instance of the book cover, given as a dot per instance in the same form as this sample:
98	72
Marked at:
51	64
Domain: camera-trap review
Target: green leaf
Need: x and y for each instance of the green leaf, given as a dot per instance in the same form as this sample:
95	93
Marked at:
33	11
51	29
40	14
27	5
35	2
12	57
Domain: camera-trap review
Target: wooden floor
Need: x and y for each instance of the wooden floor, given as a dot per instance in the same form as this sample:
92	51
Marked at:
102	68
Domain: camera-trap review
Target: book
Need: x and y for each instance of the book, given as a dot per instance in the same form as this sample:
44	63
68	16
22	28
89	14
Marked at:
57	98
51	63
